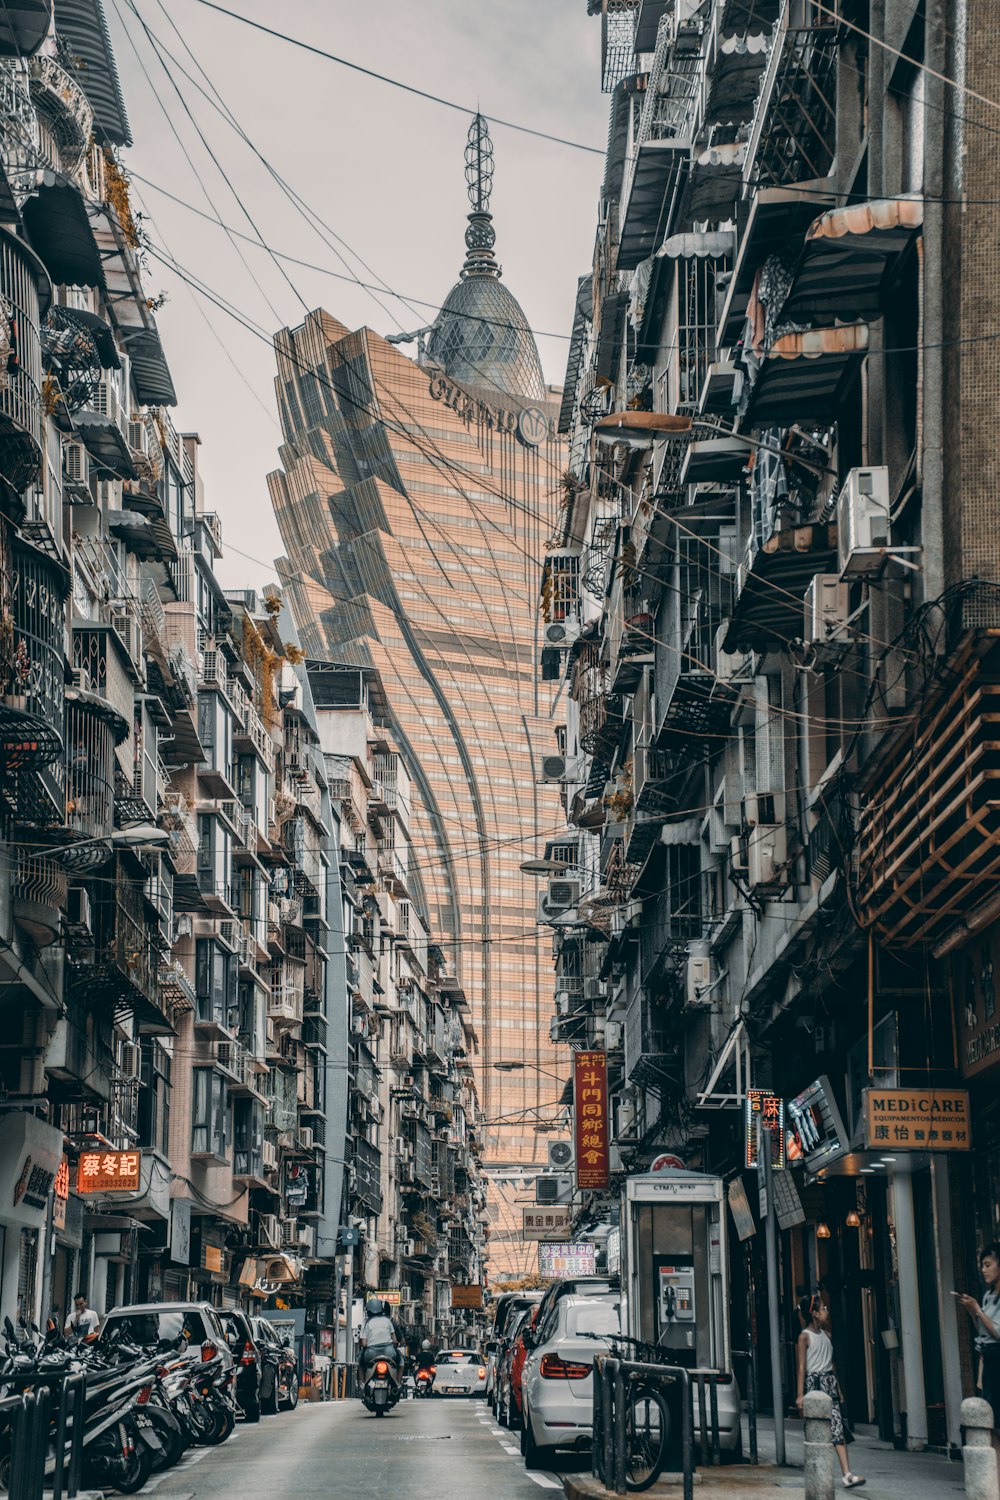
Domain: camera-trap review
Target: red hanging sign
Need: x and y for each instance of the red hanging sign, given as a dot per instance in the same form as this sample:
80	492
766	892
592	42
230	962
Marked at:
109	1172
591	1125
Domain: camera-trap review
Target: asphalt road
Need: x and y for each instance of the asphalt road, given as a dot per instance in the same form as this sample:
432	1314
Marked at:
439	1448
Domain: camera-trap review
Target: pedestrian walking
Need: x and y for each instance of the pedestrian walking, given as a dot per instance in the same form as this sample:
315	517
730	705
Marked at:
816	1373
985	1317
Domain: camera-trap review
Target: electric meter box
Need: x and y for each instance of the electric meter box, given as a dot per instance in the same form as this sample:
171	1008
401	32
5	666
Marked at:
675	1267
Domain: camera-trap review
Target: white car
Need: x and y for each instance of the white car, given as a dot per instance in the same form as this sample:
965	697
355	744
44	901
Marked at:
558	1381
460	1372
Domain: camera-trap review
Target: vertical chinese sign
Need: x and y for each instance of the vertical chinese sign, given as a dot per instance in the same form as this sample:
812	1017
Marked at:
590	1108
764	1121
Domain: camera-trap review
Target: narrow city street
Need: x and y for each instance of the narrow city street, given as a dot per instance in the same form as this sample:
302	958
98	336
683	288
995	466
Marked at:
423	1448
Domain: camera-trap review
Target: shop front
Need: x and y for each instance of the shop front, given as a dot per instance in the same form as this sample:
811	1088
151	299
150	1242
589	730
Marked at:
31	1153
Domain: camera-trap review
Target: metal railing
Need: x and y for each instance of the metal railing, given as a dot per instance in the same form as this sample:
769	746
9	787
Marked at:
33	1469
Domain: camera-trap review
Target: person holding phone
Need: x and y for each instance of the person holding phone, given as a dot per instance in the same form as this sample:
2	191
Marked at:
985	1317
816	1373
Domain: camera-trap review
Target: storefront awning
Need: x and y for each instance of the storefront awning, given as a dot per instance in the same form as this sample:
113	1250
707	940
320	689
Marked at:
61	234
849	260
657	176
82	25
105	442
748	17
778	217
23	27
804	375
647	23
153	384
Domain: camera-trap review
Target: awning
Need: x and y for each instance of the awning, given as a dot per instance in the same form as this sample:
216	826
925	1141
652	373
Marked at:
23	27
804	375
657	175
742	17
153	384
59	229
81	24
707	244
850	257
714	184
778	217
582	313
610	338
619	124
106	444
146	536
716	459
769	610
647	23
99	330
735	79
717	392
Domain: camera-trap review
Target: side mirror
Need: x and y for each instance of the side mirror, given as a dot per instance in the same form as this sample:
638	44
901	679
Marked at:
286	1343
8	1328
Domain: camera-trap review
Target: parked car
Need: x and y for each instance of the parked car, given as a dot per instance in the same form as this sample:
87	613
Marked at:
189	1327
575	1286
460	1372
279	1369
558	1379
519	1355
504	1309
246	1357
505	1348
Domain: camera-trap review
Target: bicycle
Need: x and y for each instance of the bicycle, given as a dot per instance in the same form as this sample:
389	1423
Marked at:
648	1424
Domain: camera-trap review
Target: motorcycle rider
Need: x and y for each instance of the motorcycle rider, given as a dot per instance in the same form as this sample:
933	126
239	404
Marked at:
378	1338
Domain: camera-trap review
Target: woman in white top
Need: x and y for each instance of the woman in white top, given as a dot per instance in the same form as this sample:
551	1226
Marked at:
816	1373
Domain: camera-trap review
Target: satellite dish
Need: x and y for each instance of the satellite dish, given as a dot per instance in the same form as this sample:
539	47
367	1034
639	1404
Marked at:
560	1154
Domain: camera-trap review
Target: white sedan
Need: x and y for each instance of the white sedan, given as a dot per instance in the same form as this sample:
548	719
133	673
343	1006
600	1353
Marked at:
460	1372
557	1384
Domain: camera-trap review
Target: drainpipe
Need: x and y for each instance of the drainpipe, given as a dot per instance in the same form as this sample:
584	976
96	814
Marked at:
909	1312
944	1272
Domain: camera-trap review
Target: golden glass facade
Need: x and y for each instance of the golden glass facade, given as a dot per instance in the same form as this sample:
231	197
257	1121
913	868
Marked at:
415	518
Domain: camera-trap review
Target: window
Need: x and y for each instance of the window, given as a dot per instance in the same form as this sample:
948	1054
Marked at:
209	1134
248	1138
154	1097
216	977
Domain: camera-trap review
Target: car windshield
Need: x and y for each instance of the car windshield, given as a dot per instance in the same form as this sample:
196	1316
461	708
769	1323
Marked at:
162	1328
457	1357
600	1319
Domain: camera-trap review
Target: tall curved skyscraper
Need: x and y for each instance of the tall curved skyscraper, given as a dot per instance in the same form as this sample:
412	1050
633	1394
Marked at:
415	500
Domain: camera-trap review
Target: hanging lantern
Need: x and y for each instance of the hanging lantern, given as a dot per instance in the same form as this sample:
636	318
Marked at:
853	1220
822	1230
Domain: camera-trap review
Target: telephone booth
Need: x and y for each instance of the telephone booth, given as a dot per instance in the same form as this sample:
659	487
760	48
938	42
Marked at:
675	1268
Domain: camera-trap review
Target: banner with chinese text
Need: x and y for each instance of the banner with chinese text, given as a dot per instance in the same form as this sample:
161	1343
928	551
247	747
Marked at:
590	1110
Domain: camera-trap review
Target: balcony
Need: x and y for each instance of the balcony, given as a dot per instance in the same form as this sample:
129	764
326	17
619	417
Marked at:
929	829
652	1056
772	583
32	664
38	891
240	1067
93	729
249	733
793	132
64	110
24	285
119	971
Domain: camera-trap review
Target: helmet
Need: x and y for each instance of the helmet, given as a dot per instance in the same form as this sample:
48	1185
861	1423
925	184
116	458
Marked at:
374	1307
426	1344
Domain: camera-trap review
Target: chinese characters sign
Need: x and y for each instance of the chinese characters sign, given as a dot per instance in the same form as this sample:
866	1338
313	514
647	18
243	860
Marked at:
60	1195
765	1120
917	1120
467	1295
590	1108
567	1260
109	1172
544	1224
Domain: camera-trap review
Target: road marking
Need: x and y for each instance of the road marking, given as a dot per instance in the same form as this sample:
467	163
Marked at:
546	1484
515	1452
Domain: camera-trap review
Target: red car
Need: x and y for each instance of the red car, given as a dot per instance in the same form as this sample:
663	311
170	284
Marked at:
520	1354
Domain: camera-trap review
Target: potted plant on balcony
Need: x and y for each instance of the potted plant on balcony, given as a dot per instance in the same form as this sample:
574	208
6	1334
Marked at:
20	671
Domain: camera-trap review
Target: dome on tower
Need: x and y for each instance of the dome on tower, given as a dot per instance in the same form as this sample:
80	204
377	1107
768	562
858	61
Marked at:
481	336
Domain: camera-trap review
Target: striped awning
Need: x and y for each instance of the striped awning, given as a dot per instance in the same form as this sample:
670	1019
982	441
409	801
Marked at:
804	375
23	26
61	234
850	258
153	383
82	25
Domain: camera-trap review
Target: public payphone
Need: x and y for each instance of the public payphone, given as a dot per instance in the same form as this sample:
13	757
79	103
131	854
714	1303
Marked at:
675	1290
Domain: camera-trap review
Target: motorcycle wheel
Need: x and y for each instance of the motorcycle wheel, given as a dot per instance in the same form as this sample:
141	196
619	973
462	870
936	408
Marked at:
5	1466
201	1422
225	1421
124	1474
251	1411
171	1435
292	1400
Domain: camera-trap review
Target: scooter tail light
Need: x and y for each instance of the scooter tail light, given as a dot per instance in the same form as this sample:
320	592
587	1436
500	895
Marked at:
144	1395
381	1368
248	1354
208	1351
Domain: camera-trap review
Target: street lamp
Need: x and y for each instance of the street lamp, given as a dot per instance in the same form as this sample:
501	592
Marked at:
514	1066
138	836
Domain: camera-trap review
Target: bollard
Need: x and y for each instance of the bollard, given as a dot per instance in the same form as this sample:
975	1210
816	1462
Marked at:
816	1409
979	1458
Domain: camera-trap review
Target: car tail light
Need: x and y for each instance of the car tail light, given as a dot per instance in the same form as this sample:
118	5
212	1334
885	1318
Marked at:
144	1395
249	1354
208	1350
553	1367
482	1372
381	1368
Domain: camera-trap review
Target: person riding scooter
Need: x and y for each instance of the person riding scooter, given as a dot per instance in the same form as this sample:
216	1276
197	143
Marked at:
378	1338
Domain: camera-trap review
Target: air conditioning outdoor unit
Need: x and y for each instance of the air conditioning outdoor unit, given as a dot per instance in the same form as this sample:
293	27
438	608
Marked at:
554	1189
594	989
76	469
738	854
767	853
863	522
614	1036
560	1154
562	768
559	896
625	1124
78	907
289	1231
131	1060
560	634
269	1156
826	611
562	1003
408	1247
270	1230
698	979
305	1138
402	1146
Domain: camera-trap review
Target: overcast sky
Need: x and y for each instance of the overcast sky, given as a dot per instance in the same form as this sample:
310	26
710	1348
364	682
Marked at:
382	168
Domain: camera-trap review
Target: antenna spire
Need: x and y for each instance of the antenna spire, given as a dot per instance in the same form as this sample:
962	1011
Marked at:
480	237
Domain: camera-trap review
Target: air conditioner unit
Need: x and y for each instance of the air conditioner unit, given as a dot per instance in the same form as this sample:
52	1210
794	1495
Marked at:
619	921
863	522
560	634
289	1231
738	855
554	1035
402	1146
728	664
562	1003
614	1036
78	907
270	1032
625	1123
76	469
107	399
269	1156
594	989
558	896
826	611
767	853
555	1189
130	1061
562	768
699	978
270	1230
560	1154
305	1138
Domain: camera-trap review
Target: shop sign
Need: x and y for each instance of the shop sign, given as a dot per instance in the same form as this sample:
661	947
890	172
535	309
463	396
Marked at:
30	1153
180	1231
614	1252
917	1120
468	1297
977	981
590	1113
764	1119
109	1172
567	1260
544	1224
393	1297
60	1197
816	1132
787	1203
668	1162
211	1258
739	1207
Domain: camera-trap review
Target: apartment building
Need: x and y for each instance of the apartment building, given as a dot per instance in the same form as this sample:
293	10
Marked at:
771	604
